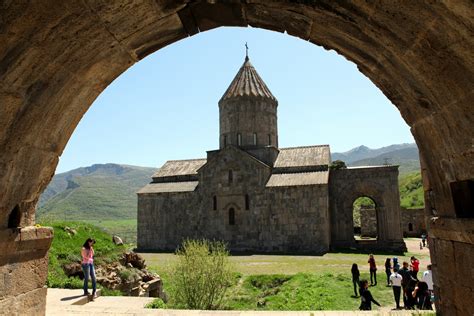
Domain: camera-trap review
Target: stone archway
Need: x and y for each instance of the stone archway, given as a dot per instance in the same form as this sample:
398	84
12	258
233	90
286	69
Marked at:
379	184
56	57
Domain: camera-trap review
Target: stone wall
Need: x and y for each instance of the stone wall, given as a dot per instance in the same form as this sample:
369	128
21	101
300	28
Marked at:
412	222
368	222
23	270
292	219
381	185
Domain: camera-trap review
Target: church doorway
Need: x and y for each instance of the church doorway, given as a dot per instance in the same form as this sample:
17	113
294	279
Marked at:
364	216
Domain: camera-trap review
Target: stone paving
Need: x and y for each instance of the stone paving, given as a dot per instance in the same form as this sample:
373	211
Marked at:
70	302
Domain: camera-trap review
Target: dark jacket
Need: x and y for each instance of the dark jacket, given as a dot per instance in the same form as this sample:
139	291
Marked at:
366	300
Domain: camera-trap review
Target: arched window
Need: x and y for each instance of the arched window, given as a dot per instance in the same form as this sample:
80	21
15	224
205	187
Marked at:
231	176
410	227
239	139
269	139
231	216
255	138
214	203
247	202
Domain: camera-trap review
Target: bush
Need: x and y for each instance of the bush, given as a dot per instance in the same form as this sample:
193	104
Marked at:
202	274
156	303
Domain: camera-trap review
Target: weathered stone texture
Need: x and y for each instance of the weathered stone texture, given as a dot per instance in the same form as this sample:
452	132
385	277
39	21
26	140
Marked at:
23	270
381	185
413	222
279	219
57	56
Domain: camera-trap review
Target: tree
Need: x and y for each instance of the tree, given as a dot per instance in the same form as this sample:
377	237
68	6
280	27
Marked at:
338	164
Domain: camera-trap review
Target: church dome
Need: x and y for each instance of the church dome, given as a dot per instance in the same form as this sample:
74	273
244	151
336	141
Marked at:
248	83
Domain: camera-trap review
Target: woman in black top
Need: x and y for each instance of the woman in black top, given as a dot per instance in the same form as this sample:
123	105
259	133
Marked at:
366	298
355	277
388	270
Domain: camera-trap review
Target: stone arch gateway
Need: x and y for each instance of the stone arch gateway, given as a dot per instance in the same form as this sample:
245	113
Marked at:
56	57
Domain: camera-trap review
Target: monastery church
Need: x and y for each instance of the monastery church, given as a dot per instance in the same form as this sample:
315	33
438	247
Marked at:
260	198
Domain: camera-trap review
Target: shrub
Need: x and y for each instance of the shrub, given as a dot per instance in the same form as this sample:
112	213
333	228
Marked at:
202	274
156	303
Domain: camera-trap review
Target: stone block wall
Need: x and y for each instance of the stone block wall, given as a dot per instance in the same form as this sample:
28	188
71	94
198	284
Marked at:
283	219
23	270
381	185
413	222
368	222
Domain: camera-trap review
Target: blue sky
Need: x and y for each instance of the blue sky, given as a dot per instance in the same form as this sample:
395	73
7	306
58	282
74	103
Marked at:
165	106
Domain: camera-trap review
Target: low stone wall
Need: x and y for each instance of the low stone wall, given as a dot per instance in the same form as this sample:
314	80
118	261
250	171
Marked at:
413	222
24	269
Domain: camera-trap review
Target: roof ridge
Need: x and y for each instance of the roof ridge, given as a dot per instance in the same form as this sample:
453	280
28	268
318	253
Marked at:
309	146
195	159
304	172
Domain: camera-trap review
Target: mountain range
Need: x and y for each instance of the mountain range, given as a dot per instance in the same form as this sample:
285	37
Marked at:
108	191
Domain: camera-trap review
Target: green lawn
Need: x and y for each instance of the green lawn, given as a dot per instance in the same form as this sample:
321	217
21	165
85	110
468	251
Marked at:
275	282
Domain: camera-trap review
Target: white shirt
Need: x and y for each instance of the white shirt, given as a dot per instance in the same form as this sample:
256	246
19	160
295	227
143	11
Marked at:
396	279
428	278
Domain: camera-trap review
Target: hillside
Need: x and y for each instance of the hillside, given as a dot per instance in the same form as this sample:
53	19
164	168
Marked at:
99	192
364	152
407	158
404	155
411	191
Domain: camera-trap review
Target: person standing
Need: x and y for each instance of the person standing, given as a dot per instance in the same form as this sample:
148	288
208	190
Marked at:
87	253
388	269
355	277
396	281
428	278
366	298
415	264
423	239
406	275
373	270
396	265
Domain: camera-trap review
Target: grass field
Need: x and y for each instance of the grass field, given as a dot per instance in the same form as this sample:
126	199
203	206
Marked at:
275	282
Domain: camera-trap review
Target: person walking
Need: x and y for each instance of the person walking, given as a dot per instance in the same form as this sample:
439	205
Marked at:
396	281
415	264
87	253
355	277
373	270
366	297
388	270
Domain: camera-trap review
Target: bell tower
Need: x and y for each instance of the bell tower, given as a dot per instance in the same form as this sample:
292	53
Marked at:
248	112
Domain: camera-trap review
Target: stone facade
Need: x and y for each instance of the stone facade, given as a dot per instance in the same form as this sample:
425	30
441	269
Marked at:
381	185
21	252
257	197
413	222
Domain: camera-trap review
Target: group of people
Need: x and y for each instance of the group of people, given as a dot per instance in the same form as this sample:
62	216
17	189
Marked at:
417	293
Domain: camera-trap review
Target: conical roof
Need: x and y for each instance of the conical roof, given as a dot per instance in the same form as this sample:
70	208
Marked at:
247	82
